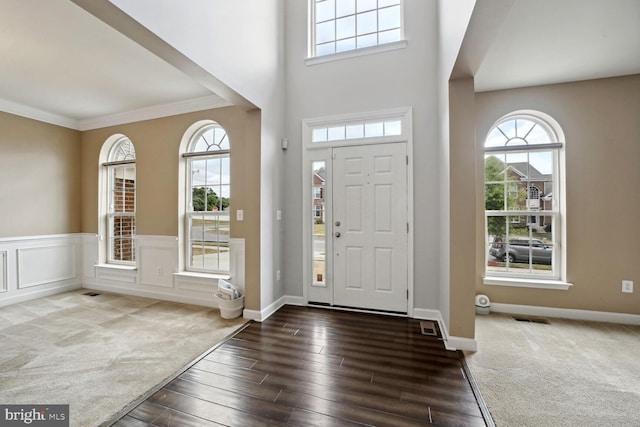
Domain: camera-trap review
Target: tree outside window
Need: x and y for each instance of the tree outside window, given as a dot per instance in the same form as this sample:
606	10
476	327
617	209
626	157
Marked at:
521	157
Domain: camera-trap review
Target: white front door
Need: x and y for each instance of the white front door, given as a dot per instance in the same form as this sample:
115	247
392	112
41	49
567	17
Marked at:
370	235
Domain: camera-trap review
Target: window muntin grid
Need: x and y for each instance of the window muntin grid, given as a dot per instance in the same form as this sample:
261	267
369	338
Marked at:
521	203
356	130
122	150
121	211
209	139
209	196
343	25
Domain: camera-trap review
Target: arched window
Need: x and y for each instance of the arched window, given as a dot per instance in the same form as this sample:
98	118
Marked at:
121	201
208	198
521	158
534	193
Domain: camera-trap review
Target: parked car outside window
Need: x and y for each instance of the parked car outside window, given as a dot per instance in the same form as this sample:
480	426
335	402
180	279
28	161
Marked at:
518	250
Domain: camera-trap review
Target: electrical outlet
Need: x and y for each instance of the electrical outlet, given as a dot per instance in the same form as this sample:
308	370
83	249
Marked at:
159	271
627	286
239	215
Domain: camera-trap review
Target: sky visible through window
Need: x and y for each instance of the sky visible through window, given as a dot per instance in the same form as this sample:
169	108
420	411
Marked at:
522	132
343	25
357	131
212	172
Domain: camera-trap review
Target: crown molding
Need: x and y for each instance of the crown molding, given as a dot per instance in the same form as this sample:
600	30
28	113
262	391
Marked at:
37	114
154	112
147	113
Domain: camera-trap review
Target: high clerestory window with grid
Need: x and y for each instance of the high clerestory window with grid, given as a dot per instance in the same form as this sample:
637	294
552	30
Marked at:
345	25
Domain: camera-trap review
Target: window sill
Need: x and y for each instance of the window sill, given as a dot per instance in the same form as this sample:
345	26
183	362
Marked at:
120	267
201	282
557	285
117	272
196	275
356	52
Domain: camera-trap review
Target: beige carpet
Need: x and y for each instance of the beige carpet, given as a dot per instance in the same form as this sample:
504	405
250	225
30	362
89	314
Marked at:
566	373
99	353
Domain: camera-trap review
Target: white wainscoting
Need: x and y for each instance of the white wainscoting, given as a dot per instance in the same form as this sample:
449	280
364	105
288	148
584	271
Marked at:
157	260
236	263
116	273
89	254
3	271
156	272
36	266
56	262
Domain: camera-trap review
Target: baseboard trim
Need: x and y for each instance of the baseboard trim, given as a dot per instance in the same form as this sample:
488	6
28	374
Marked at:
41	293
567	313
262	315
426	314
291	300
451	343
461	343
265	313
209	301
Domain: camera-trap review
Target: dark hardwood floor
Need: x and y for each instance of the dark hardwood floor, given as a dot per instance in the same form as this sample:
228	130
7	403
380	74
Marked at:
317	367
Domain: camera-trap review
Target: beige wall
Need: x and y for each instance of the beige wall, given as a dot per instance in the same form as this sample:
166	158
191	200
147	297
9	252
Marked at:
39	178
157	143
601	122
462	172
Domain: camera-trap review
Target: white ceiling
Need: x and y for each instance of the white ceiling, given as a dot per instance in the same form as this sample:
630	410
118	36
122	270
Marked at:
58	63
556	41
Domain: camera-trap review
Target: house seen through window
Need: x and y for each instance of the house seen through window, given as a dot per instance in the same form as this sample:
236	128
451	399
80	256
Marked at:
121	206
319	179
522	198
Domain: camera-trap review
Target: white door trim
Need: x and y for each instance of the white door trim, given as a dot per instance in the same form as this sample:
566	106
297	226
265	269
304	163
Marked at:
322	152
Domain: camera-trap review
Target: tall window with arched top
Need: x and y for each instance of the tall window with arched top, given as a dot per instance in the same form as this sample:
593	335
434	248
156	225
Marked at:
208	191
121	202
522	183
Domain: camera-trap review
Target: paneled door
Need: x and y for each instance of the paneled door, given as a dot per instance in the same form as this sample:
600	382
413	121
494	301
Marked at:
370	231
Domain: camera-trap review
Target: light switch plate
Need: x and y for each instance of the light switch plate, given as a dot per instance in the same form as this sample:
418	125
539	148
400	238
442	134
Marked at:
240	215
627	286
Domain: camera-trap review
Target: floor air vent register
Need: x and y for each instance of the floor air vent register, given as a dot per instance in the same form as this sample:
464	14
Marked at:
429	328
531	320
91	294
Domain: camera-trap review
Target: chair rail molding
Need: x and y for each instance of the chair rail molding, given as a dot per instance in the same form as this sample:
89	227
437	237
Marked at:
156	273
36	266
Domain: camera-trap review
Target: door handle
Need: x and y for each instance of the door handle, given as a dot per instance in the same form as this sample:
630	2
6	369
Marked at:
337	234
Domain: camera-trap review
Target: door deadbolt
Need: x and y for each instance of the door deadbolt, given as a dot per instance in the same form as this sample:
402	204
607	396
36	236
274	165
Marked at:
337	223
